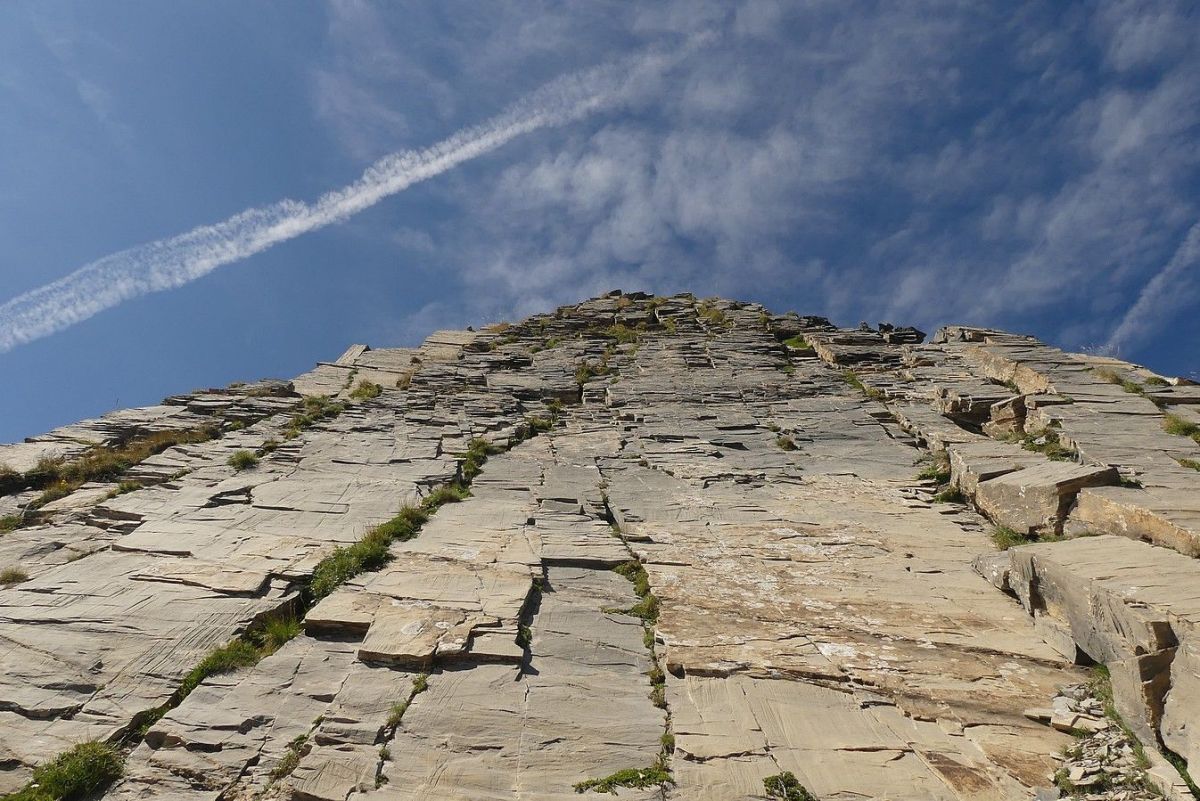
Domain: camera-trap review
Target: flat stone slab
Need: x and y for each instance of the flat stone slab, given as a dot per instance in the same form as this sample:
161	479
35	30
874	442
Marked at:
1037	498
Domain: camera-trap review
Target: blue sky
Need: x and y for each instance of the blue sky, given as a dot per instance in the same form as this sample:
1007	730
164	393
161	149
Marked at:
1034	167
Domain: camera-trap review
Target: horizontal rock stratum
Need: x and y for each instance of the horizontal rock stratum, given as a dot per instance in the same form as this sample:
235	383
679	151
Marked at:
659	547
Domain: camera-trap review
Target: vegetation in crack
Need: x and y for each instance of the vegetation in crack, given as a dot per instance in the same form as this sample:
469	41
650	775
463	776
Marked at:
291	758
366	390
710	314
528	611
852	378
372	551
654	776
58	478
243	460
785	442
12	575
659	773
369	553
1174	424
938	469
79	773
647	607
314	409
420	684
1004	537
1047	443
478	450
99	463
124	488
1106	781
786	787
588	370
262	639
949	495
1110	376
799	343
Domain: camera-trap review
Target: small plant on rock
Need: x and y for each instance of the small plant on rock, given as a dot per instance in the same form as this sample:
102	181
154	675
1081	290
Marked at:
937	470
653	776
396	713
798	342
1005	538
786	787
291	759
12	575
243	460
1174	424
82	772
226	659
1049	445
786	442
950	495
366	390
276	630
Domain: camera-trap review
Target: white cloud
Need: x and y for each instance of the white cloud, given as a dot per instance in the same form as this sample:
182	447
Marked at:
918	163
171	263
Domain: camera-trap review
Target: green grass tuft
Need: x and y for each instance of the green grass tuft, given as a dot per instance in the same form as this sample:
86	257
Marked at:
622	333
938	471
82	772
647	607
12	575
478	450
1174	424
243	460
447	493
589	370
291	759
10	523
1005	538
798	343
366	390
950	495
396	713
274	631
226	659
653	776
786	442
1050	446
314	409
1192	463
58	478
851	378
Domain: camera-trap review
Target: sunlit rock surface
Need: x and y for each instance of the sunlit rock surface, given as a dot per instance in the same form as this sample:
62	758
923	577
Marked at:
813	509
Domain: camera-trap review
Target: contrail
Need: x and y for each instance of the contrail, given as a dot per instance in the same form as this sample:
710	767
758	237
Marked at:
1173	287
170	263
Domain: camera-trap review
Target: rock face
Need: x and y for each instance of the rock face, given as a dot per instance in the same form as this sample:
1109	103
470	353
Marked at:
709	545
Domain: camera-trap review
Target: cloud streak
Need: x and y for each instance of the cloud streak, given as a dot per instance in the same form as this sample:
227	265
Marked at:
171	263
1173	288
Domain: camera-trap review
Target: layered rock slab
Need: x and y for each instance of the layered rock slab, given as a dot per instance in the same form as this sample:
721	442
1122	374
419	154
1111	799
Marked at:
817	614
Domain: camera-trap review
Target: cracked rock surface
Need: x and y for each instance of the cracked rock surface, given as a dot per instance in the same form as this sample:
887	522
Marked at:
710	543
